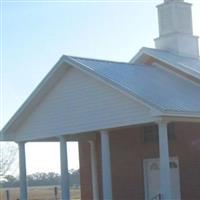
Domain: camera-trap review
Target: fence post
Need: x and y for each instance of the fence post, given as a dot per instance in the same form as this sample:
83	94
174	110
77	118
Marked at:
7	195
56	193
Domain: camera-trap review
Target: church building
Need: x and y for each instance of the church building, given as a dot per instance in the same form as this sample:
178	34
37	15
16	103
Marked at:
137	123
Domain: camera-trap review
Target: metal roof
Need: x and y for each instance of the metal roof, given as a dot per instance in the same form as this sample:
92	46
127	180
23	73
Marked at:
155	86
186	64
152	84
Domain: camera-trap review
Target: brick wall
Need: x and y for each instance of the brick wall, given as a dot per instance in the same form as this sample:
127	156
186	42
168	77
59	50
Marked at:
128	151
85	171
188	151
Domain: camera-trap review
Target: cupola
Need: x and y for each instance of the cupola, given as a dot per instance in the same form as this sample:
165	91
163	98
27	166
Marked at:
175	28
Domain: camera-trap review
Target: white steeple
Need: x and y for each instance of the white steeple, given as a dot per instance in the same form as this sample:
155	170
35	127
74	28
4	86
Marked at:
175	28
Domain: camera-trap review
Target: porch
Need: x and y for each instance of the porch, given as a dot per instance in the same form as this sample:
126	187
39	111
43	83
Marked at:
112	162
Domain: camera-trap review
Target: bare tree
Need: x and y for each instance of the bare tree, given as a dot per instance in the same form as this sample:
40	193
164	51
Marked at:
8	157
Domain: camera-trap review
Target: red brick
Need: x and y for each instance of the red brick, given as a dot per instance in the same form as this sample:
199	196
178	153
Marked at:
127	155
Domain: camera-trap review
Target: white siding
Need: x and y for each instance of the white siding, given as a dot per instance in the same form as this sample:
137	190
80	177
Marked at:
79	103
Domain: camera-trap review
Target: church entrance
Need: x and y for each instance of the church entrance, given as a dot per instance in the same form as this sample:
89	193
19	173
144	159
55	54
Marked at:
152	179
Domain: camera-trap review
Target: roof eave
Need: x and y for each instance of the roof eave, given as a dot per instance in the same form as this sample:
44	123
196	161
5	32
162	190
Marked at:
57	69
175	116
143	51
35	92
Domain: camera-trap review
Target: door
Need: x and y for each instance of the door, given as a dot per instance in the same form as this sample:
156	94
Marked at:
152	178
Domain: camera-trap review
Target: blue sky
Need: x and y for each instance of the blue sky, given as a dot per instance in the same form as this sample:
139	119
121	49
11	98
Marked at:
36	34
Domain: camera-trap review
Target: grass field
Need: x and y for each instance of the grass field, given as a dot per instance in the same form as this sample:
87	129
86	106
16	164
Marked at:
38	193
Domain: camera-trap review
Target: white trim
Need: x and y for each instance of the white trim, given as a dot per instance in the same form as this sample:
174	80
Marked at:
57	71
165	182
144	52
175	118
22	171
42	137
66	62
27	104
182	114
106	166
138	55
65	191
146	188
95	187
154	119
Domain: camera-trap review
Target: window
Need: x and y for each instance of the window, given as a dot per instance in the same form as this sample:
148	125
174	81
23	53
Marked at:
173	165
150	133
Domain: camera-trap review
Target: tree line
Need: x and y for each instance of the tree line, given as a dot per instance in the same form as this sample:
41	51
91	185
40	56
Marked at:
42	179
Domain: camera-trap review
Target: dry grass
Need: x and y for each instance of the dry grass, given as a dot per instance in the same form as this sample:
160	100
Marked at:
38	193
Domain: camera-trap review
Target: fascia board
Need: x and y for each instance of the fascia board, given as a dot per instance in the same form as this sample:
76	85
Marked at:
170	119
156	112
178	117
138	55
56	70
181	114
182	68
35	93
45	82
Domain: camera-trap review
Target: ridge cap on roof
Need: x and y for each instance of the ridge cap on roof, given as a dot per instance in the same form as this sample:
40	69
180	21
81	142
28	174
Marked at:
97	59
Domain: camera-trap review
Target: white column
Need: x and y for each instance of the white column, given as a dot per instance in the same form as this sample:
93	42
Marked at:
106	166
165	182
22	171
65	192
95	189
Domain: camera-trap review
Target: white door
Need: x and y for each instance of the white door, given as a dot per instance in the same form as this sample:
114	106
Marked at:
152	178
